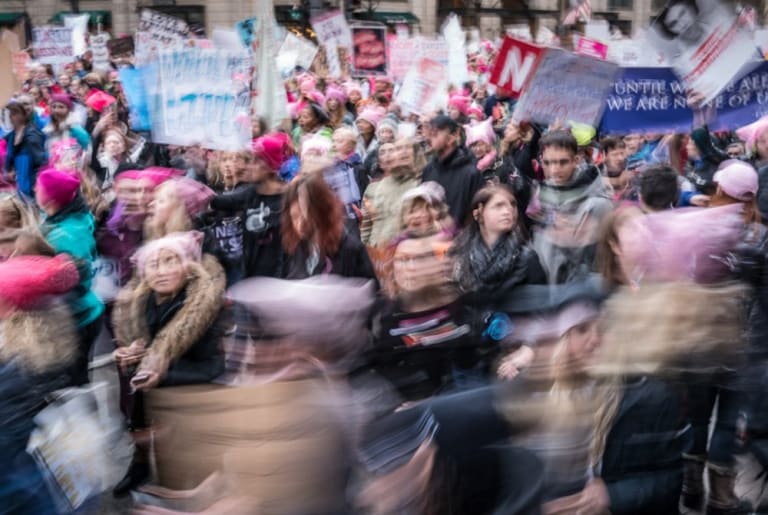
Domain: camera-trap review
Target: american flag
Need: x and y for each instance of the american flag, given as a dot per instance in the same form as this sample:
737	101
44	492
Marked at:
582	11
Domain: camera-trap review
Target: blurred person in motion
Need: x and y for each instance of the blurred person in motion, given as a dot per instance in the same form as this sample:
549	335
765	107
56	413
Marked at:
68	226
40	344
259	202
614	169
62	125
402	163
313	234
755	136
567	210
25	149
279	436
166	330
347	177
452	166
481	142
659	189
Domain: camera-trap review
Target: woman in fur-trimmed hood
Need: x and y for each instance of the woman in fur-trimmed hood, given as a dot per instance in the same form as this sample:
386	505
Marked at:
166	323
170	311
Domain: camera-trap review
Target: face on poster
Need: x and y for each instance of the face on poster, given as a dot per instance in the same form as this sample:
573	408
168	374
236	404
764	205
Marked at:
369	45
703	42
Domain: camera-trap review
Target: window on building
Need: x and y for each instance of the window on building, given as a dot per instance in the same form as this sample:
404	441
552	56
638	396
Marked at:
619	5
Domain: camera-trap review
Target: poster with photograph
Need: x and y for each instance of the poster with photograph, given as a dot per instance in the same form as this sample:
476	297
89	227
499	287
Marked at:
369	50
424	87
100	52
704	42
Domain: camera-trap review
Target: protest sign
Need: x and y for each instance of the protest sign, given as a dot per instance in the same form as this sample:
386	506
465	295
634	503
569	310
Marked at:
120	47
457	53
228	39
515	64
703	41
157	32
296	51
597	29
269	100
403	53
247	31
435	49
423	87
79	25
567	87
53	45
132	81
654	100
760	37
21	65
9	82
332	31
199	96
369	50
100	51
592	48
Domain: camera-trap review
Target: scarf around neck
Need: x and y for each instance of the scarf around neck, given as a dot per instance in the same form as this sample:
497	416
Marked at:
490	268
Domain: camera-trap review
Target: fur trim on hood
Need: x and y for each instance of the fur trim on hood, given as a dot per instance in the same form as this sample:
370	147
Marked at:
43	340
204	299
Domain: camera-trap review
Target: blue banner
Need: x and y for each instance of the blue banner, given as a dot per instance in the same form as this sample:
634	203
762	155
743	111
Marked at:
653	100
132	80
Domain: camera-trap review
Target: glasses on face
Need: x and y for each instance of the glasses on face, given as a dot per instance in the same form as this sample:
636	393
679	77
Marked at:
556	162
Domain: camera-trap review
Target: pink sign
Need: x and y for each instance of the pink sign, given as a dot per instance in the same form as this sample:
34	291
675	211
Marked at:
592	48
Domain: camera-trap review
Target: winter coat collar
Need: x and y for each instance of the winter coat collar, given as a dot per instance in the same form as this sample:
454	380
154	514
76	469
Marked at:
204	299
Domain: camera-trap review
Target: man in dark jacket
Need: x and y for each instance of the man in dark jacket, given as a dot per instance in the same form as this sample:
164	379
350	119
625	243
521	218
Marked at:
453	167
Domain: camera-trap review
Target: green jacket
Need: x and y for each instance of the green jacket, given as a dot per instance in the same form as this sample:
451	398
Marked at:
71	231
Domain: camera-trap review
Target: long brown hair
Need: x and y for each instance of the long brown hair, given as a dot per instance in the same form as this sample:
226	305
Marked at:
608	264
323	215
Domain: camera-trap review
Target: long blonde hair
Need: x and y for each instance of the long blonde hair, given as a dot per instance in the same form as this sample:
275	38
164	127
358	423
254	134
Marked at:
178	220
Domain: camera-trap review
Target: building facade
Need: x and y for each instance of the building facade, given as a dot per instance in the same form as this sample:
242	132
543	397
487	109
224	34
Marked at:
419	16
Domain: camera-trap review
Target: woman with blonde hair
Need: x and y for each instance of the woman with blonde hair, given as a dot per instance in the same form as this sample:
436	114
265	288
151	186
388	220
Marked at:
14	214
175	207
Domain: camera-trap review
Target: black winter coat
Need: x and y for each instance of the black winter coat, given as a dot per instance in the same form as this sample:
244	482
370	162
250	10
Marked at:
642	464
351	260
458	175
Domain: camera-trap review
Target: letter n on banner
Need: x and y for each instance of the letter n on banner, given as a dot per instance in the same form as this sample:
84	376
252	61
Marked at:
515	65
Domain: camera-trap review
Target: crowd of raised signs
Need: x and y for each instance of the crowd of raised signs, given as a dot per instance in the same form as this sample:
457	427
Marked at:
373	311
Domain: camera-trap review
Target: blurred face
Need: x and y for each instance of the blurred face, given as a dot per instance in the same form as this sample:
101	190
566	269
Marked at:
17	118
332	104
559	165
387	155
307	119
59	111
480	149
165	273
35	94
232	167
499	215
136	196
761	145
354	97
454	112
163	204
342	145
632	143
679	18
364	127
114	145
257	171
441	140
419	219
616	160
735	150
64	80
418	264
404	154
386	135
582	341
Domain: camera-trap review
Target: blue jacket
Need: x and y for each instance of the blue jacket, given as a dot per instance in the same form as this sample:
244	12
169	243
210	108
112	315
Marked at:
26	158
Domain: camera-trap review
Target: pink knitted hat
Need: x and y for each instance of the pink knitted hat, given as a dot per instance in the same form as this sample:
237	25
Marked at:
460	102
271	149
188	246
57	186
372	115
26	281
195	195
335	93
482	131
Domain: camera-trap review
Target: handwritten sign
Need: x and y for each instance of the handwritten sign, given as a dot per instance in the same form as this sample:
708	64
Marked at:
156	32
423	86
332	32
100	51
53	45
120	47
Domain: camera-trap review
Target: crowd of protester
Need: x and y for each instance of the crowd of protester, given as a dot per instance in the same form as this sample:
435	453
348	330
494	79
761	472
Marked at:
366	312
